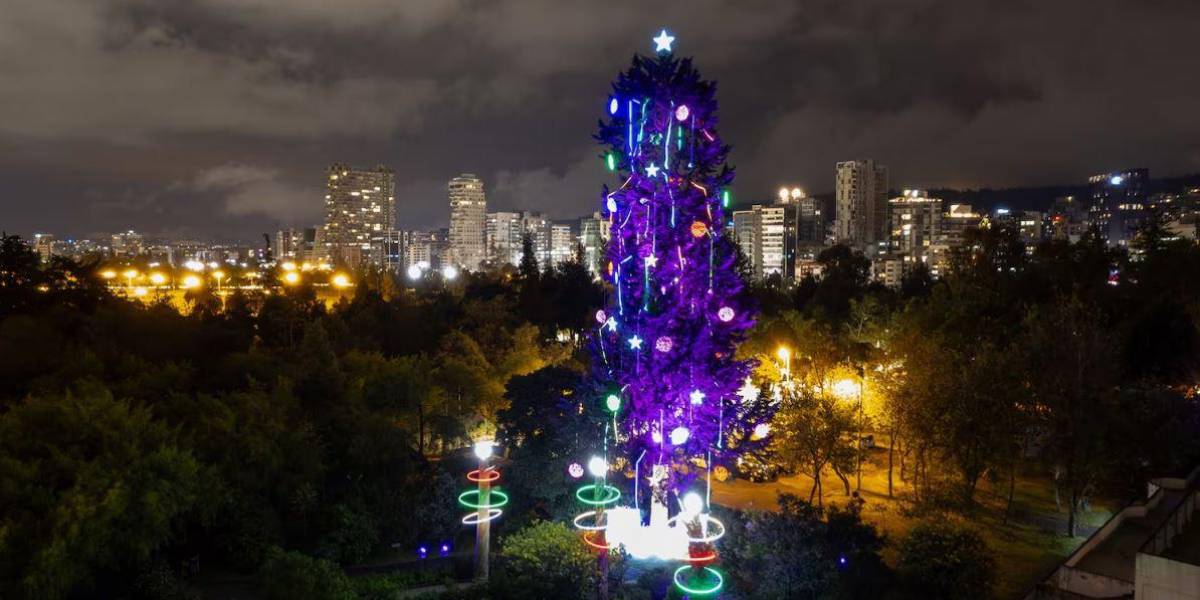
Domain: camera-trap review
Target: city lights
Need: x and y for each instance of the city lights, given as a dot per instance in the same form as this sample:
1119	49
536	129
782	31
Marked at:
190	282
291	278
340	281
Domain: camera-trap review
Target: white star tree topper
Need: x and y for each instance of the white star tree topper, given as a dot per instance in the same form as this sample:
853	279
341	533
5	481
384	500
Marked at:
663	41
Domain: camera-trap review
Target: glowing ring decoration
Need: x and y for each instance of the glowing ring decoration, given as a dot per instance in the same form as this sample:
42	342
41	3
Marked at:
588	540
479	476
712	589
462	499
611	495
711	556
473	518
591	513
708	539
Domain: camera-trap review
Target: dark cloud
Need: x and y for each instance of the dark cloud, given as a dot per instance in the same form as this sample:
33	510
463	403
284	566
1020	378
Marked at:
217	117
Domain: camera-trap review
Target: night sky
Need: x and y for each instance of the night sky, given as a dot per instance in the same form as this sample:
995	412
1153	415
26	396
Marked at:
217	118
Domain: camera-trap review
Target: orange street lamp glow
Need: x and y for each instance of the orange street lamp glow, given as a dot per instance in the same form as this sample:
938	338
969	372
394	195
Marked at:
191	281
158	278
340	281
108	274
291	278
288	266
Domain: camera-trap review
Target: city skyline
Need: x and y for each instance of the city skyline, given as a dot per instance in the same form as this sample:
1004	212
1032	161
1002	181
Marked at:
993	97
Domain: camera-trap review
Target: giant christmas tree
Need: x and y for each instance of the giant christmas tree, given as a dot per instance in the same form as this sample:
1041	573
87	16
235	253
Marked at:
665	343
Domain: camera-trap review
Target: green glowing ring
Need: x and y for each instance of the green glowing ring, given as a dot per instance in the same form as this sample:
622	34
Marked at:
462	499
699	591
587	493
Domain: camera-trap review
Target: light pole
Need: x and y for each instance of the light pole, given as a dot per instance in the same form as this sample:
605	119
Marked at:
862	383
483	521
785	359
598	467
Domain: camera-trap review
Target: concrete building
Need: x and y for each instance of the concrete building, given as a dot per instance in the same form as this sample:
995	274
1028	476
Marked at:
955	222
593	235
1067	219
503	234
43	244
916	225
288	243
129	243
745	233
860	218
419	248
359	205
1150	550
537	227
562	243
769	234
389	251
468	221
1118	204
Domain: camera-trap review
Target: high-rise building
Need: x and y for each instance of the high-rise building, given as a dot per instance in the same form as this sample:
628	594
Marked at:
1118	204
537	227
916	224
288	243
768	234
955	222
420	249
503	237
562	243
129	243
593	234
389	250
43	244
745	232
468	221
359	205
861	204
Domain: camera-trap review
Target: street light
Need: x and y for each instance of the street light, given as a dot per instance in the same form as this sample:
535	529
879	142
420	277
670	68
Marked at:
218	275
158	278
340	281
190	282
291	278
785	357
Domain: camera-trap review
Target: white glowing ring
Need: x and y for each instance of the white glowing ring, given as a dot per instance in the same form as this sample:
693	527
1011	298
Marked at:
473	518
708	539
585	515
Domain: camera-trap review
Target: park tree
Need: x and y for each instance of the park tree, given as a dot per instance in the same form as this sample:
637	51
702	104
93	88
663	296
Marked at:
939	561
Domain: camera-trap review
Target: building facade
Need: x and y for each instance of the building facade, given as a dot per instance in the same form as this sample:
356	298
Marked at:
360	204
860	218
1118	204
468	221
504	234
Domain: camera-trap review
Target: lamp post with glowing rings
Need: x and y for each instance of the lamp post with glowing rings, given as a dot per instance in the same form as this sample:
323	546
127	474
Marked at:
598	495
697	578
486	503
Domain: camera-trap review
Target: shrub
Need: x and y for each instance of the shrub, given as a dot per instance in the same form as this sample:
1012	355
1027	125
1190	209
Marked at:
939	560
297	576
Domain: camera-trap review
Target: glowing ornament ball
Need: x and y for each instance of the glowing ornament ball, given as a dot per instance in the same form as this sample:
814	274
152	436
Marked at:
613	402
681	113
575	470
664	344
699	229
601	317
725	314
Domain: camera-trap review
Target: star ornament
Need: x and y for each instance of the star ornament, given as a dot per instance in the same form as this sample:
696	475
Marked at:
652	171
748	392
696	397
663	41
635	343
651	260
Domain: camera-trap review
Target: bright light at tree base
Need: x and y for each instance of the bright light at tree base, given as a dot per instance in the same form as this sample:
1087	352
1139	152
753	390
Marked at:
707	583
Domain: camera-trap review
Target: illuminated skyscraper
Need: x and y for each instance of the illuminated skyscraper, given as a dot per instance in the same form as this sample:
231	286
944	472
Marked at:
861	203
359	206
1118	206
468	221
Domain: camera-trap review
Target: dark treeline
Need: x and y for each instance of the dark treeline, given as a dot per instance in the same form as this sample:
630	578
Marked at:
134	438
1075	362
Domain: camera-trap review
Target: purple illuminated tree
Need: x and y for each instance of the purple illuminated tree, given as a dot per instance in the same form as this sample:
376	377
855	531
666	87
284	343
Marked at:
665	343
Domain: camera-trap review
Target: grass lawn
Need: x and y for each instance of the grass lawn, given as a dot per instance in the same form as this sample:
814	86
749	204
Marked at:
1026	548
